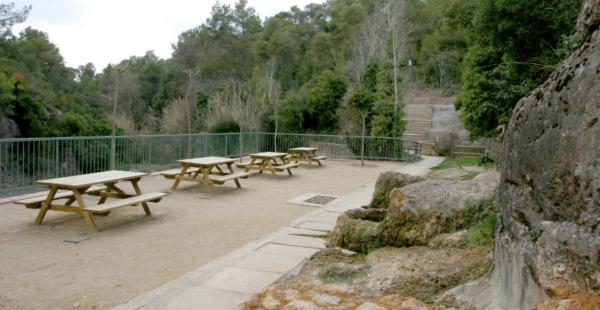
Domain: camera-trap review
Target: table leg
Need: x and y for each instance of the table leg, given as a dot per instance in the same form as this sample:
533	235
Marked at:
306	158
179	176
46	205
314	154
270	165
138	191
220	170
86	215
205	176
237	182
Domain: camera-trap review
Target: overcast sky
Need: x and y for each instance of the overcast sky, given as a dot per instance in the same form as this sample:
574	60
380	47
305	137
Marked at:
107	31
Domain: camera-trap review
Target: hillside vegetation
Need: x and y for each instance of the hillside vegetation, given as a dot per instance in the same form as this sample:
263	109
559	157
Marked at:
327	68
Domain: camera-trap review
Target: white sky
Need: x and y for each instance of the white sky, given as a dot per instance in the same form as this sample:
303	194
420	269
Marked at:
108	31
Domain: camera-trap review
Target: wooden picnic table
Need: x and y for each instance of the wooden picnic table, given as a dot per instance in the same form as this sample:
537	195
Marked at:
306	154
205	170
269	161
102	184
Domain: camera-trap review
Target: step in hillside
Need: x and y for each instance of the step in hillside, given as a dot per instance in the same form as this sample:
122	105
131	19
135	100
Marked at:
418	119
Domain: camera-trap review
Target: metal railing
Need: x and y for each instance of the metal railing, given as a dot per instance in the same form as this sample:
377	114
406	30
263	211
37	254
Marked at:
22	161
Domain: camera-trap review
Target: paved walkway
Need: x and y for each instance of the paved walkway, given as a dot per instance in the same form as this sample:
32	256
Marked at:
227	282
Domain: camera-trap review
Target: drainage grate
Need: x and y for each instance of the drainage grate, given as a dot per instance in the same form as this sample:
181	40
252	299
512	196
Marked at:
320	200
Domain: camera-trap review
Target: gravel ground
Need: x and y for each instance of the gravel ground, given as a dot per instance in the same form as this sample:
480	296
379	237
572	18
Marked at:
133	253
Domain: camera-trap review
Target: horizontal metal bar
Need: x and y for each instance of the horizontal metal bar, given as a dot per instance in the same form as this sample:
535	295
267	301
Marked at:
24	160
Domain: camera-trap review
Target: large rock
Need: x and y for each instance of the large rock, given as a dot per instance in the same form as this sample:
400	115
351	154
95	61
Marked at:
548	239
416	214
386	182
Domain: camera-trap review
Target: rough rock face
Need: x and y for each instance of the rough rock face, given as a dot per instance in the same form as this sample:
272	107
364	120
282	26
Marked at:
385	183
443	194
417	213
385	277
548	239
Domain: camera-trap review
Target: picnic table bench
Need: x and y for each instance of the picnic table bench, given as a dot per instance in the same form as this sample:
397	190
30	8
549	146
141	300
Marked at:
102	184
306	154
205	170
269	161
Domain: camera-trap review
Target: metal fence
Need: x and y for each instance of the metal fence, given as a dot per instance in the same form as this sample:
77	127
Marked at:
22	161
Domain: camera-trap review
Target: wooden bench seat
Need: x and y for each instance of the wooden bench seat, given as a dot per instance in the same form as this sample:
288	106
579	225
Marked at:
319	158
170	174
286	166
36	202
227	177
148	197
246	164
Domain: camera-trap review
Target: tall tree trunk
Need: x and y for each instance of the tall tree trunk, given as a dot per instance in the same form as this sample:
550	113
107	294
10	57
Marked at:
276	127
362	146
189	114
395	60
113	142
241	143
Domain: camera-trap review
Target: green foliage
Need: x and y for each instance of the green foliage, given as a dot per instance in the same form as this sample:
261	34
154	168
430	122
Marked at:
515	46
226	126
381	197
323	101
9	16
462	161
472	215
493	51
484	232
335	273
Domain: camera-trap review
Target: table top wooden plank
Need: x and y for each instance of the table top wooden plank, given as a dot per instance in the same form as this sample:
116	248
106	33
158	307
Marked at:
303	149
268	155
83	180
207	161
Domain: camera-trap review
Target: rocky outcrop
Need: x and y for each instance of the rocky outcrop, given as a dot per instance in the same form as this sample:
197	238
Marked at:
417	213
382	280
386	182
548	239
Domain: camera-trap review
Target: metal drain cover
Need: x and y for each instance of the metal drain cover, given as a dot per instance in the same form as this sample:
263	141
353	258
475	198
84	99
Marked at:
314	200
320	200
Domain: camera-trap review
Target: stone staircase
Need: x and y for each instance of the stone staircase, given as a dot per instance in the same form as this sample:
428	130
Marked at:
418	123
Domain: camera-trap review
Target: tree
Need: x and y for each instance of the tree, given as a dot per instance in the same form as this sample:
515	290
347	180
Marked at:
9	17
323	101
516	45
367	44
387	121
362	102
234	103
399	28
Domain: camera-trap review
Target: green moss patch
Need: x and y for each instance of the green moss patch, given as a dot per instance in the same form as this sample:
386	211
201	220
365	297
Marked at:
464	161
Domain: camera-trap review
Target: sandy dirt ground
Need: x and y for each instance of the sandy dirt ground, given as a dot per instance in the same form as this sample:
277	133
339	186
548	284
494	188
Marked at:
134	253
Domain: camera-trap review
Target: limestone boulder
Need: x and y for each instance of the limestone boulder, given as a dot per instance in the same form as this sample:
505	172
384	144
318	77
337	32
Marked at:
548	239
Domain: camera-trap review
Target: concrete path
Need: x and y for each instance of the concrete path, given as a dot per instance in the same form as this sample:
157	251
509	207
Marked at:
227	282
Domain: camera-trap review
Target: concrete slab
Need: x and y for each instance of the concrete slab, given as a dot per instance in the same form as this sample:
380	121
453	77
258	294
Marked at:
240	280
315	226
206	299
309	242
306	232
263	261
323	217
288	250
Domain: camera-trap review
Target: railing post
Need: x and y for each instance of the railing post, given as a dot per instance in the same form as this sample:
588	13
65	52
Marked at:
113	152
56	157
226	145
362	146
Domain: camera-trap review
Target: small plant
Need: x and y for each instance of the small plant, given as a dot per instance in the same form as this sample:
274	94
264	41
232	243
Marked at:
469	176
464	161
336	273
484	232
